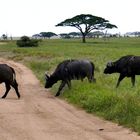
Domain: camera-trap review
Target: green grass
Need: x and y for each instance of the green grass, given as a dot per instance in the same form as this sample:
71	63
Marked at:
121	105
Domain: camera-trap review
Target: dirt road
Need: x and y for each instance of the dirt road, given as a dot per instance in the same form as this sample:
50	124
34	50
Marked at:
40	116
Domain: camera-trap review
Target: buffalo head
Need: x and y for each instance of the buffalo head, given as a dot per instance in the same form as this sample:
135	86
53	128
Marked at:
110	68
50	80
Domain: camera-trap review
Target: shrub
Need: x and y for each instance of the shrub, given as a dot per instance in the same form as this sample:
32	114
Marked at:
25	41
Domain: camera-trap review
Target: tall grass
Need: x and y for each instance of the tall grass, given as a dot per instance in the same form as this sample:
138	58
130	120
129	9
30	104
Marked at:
121	105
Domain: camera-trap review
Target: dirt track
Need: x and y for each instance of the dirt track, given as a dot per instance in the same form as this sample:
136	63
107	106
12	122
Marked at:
40	116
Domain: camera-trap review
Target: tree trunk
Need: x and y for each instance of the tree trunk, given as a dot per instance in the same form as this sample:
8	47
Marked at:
84	39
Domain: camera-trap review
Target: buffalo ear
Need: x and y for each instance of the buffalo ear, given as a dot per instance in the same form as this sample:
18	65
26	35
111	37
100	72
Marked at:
47	76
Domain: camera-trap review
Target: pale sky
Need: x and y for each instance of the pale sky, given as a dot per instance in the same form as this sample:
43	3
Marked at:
28	17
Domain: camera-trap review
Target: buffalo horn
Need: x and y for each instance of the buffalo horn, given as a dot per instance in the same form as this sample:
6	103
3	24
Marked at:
110	64
46	75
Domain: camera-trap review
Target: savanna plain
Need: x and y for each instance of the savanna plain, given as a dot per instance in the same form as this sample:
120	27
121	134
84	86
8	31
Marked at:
121	105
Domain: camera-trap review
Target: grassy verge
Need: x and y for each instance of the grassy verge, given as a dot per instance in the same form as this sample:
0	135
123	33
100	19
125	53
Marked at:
120	105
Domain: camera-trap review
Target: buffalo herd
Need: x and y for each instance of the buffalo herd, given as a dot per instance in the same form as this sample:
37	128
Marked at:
126	66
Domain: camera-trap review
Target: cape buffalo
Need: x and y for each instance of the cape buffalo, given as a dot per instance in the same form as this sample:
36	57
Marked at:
8	76
127	66
68	70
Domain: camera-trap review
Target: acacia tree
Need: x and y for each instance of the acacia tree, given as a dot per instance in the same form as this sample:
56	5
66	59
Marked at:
85	23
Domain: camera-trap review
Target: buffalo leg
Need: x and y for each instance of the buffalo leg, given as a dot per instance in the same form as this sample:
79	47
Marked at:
120	79
69	84
15	86
7	85
91	78
60	88
133	80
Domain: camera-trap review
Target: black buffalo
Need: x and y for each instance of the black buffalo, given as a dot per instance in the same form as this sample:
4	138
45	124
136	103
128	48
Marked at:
68	70
127	66
8	76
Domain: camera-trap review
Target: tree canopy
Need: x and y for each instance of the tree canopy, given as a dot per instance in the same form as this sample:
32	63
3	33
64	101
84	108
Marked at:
47	34
85	23
4	37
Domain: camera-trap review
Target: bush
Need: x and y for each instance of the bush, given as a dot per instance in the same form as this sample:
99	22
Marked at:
25	41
